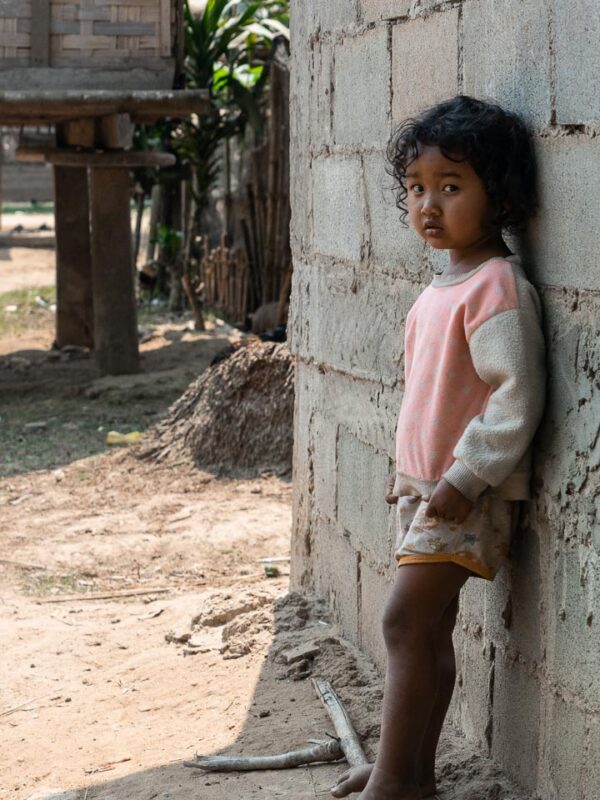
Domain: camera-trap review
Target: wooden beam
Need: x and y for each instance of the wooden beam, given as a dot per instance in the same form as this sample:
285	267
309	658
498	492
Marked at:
40	33
81	158
74	311
180	44
116	131
115	311
165	28
75	104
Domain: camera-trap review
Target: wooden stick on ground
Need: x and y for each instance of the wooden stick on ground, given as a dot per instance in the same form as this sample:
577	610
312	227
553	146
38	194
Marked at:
322	751
349	741
75	598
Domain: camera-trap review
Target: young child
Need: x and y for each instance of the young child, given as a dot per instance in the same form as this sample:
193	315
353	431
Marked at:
473	399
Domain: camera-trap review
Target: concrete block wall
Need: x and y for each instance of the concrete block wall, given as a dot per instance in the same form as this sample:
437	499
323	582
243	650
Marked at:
528	644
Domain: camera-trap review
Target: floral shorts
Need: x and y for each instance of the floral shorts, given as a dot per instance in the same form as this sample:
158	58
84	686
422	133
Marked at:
480	543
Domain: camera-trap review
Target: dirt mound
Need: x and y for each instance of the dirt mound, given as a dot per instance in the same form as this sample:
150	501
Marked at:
238	415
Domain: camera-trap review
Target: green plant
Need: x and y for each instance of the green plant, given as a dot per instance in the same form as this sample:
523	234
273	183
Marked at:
170	240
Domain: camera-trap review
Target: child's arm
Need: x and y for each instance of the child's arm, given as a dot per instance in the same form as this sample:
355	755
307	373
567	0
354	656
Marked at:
508	353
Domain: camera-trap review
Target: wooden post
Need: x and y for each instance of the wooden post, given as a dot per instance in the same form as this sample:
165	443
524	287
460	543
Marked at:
74	311
115	312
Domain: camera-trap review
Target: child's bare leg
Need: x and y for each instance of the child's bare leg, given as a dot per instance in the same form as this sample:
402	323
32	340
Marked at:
447	679
420	596
355	779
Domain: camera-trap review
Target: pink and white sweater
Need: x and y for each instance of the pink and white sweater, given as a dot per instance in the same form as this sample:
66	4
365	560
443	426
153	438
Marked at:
475	381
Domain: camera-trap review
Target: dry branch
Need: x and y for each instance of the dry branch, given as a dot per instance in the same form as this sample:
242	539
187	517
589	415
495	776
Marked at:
106	596
323	751
349	740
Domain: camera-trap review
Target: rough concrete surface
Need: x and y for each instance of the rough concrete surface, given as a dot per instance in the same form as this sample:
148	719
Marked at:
528	691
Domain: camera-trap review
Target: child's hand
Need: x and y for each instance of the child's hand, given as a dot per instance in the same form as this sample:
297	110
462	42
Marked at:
390	497
448	503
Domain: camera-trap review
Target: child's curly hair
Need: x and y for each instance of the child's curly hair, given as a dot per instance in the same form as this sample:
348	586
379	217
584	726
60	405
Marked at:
495	142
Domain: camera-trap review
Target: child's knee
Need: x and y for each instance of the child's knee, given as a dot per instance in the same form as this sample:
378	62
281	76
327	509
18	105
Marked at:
401	623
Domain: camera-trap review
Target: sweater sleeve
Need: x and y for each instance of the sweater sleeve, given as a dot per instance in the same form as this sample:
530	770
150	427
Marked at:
508	354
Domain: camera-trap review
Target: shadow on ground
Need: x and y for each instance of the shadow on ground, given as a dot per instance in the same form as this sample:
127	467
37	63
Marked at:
54	408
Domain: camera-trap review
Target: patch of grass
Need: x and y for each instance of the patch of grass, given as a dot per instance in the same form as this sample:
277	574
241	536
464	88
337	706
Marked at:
42	585
28	313
73	429
28	208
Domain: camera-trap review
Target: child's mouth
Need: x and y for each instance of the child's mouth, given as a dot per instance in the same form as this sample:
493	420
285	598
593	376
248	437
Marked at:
431	229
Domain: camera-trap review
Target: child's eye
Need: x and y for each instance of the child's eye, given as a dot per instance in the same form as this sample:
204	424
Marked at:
450	188
416	188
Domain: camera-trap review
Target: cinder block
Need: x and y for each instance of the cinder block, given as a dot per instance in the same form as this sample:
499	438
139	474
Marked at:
564	234
418	79
526	593
375	10
361	102
303	22
300	174
336	14
591	763
471	702
302	481
367	409
573	639
567	442
516	722
336	575
497	600
577	52
563	751
321	101
506	55
392	244
374	591
362	473
472	605
338	203
354	321
324	443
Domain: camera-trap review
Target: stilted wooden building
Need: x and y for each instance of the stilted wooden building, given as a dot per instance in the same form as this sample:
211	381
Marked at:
92	69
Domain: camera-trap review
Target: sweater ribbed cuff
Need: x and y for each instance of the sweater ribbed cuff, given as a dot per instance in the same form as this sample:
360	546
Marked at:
463	479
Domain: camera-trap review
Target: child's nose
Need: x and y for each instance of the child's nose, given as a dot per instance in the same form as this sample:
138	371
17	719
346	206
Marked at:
429	204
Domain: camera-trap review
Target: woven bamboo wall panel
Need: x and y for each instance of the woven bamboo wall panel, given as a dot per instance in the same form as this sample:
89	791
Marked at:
15	36
90	32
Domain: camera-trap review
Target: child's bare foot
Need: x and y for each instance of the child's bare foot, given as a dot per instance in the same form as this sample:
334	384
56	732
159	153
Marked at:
384	787
355	780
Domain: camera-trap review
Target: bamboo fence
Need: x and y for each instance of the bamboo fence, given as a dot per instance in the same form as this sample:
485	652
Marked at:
225	279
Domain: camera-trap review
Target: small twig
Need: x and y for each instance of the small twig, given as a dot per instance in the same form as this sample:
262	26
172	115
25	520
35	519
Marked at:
73	598
324	751
349	741
23	705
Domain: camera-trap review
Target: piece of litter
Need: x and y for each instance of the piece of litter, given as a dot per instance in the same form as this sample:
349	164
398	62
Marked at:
152	614
36	426
116	438
21	499
273	560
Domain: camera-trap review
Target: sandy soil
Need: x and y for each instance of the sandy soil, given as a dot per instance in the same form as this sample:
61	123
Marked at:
138	627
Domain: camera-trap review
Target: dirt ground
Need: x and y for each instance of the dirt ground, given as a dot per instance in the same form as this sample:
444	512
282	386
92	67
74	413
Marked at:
138	626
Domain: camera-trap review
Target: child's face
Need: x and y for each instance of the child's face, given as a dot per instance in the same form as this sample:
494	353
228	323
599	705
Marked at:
447	203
